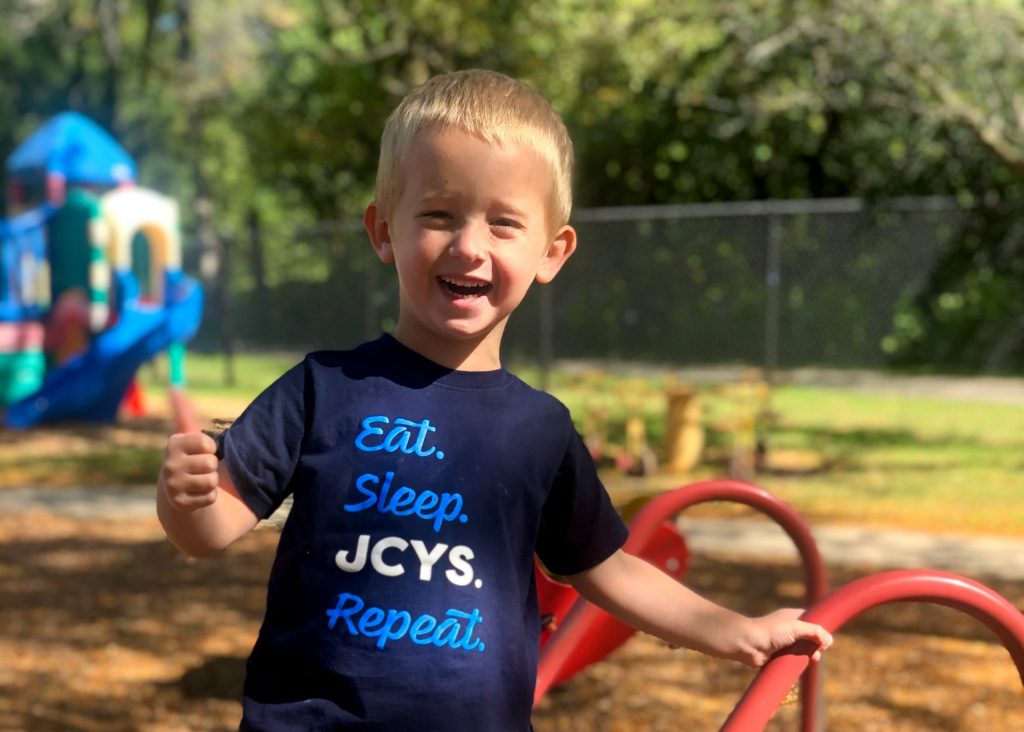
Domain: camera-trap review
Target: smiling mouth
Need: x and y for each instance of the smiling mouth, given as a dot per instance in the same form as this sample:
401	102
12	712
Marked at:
461	288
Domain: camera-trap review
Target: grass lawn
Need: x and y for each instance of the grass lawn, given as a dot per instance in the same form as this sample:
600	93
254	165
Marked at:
207	375
907	461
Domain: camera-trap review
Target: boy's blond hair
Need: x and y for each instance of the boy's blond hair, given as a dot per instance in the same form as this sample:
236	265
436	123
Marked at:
488	105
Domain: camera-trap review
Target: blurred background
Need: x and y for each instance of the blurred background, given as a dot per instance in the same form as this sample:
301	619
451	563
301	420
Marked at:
262	119
801	264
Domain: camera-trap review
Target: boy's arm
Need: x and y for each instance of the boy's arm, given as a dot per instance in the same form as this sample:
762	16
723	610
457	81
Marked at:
196	501
640	594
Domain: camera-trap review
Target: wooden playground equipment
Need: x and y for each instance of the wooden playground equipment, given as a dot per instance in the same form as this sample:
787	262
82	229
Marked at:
747	425
631	451
742	417
684	430
578	634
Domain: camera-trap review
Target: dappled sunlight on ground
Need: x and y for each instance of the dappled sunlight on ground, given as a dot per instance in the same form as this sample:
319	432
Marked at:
107	627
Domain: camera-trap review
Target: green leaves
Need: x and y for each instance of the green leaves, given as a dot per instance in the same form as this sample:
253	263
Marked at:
279	107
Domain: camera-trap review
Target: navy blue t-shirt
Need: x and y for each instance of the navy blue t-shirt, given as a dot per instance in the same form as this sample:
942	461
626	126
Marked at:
402	595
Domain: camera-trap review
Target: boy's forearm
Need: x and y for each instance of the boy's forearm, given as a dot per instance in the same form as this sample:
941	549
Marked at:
641	595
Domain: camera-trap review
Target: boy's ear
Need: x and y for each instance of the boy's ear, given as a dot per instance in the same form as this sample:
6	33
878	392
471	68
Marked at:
377	229
561	248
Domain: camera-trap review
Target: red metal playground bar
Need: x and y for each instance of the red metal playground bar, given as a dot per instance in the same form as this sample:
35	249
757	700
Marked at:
566	649
772	683
572	645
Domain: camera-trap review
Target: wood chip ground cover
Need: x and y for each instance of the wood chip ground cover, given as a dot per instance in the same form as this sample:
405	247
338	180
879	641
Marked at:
106	627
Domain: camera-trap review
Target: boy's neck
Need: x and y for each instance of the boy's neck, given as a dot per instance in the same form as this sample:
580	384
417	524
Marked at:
474	354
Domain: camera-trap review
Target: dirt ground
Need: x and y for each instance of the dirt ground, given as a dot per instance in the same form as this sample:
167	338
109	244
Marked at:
104	626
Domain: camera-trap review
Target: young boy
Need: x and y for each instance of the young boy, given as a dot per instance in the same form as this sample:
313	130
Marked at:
424	475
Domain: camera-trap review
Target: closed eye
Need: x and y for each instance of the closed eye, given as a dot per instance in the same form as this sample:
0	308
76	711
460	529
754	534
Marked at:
437	219
506	228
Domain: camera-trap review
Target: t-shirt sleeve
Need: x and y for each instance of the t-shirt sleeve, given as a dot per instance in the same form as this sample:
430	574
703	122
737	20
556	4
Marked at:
262	447
579	527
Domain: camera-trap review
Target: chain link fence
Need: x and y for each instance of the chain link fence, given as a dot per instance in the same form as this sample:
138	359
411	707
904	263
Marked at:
777	284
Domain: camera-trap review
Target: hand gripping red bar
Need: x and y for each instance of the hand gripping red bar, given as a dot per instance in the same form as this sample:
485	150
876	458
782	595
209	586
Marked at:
772	683
565	644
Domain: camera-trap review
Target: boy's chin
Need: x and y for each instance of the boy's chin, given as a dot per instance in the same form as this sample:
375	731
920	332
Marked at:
468	335
441	333
462	334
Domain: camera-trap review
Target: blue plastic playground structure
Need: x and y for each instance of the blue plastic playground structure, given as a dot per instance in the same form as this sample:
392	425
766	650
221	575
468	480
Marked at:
72	146
91	285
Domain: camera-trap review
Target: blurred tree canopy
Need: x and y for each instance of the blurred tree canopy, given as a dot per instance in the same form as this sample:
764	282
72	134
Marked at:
260	115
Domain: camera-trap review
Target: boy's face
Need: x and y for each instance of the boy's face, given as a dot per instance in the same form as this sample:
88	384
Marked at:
468	236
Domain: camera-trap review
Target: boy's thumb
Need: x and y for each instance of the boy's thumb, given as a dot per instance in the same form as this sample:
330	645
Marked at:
185	419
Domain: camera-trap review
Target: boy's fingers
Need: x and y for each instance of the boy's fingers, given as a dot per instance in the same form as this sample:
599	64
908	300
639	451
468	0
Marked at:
804	630
200	464
815	632
826	638
201	485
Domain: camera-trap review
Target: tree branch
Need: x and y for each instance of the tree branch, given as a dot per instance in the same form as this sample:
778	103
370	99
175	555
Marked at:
988	129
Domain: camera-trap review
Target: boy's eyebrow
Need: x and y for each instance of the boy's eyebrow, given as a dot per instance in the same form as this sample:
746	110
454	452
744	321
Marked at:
436	195
432	200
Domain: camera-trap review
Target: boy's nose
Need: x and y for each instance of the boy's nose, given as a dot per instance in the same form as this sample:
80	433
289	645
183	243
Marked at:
466	244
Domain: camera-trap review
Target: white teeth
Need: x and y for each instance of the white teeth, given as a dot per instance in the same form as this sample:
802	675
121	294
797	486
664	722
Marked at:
463	283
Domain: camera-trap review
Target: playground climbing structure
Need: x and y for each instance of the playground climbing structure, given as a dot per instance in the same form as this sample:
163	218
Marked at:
91	282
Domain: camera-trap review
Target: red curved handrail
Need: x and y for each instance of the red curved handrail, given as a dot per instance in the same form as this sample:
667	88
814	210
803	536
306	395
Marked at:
770	686
668	504
561	647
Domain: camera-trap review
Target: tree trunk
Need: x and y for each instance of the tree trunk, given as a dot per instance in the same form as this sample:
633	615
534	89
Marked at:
256	260
211	246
